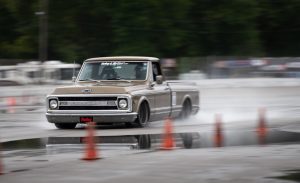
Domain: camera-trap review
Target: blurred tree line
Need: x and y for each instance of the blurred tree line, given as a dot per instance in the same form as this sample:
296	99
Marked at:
80	29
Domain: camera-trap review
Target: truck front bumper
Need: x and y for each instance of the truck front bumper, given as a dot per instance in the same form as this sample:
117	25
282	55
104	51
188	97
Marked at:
98	118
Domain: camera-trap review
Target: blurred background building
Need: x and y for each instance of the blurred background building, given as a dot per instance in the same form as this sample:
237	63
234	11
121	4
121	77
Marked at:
195	39
194	68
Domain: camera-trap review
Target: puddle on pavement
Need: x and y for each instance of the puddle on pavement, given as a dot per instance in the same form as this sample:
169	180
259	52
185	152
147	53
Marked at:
56	145
291	175
38	143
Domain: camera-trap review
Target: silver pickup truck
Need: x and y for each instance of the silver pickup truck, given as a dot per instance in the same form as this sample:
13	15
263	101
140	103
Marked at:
130	90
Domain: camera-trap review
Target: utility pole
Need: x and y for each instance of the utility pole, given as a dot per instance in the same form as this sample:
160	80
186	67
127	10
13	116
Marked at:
43	30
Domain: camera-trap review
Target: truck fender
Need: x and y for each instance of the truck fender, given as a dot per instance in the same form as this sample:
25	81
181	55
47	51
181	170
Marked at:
143	99
186	97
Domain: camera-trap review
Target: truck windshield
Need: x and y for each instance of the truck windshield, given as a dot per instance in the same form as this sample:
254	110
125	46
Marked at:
115	70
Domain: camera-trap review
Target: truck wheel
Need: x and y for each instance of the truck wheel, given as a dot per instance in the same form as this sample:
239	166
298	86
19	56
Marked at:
144	141
186	110
143	115
65	125
187	140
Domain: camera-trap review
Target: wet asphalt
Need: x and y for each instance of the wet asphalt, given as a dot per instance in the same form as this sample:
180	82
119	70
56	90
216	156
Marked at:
33	147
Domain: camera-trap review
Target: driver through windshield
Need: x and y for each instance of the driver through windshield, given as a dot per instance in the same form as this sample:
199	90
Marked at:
114	71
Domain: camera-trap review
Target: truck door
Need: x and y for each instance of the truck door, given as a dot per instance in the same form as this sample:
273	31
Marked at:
162	96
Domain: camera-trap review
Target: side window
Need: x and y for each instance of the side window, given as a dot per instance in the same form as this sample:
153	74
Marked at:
156	70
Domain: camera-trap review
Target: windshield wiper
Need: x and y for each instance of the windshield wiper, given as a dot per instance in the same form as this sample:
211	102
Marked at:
119	79
110	79
93	80
127	81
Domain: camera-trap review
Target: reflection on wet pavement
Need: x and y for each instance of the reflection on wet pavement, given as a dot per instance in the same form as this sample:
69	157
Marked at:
292	175
55	145
38	143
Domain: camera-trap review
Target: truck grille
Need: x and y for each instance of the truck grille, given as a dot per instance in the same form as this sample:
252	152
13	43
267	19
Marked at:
87	98
87	103
88	108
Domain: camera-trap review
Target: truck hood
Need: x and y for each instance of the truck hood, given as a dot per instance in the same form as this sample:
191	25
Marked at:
103	88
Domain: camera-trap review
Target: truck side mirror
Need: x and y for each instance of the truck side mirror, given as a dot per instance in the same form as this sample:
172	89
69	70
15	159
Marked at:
159	79
73	79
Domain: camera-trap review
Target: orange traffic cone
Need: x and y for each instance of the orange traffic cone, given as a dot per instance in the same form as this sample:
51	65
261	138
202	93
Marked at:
218	137
168	141
90	151
261	129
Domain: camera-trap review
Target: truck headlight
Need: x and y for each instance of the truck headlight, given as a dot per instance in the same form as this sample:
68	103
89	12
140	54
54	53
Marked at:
53	104
123	103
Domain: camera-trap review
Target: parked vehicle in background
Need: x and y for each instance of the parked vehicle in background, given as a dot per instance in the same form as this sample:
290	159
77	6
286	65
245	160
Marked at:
57	72
35	72
193	75
272	71
24	73
9	76
130	90
293	69
31	72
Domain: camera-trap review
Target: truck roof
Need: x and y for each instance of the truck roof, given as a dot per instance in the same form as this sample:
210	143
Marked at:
123	58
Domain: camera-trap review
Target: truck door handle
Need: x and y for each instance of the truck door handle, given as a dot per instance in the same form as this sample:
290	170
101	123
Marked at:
167	88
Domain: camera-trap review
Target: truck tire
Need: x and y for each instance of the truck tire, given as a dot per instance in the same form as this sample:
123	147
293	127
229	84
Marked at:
187	139
143	115
186	110
65	125
144	141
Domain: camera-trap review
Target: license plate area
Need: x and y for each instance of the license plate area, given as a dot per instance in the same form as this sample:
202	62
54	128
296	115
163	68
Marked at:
86	119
